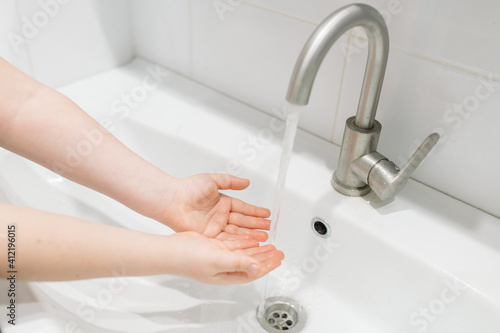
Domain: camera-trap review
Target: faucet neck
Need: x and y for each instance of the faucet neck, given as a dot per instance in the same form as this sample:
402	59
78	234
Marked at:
320	42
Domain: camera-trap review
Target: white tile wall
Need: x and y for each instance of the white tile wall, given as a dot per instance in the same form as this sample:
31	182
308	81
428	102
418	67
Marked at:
443	56
462	32
162	33
250	55
215	47
61	41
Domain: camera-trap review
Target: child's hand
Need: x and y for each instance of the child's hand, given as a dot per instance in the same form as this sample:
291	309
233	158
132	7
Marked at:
214	261
195	204
58	247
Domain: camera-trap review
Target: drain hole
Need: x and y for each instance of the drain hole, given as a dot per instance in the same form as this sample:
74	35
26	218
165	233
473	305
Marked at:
282	314
320	227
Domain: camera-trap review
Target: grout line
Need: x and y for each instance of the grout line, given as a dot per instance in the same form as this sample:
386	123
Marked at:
456	198
481	74
132	34
447	64
280	13
339	97
392	47
190	38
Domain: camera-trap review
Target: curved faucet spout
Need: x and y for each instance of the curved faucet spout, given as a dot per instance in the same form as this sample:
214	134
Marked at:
320	42
361	168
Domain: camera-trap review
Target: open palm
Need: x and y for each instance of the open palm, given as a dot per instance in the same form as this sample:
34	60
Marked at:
195	204
217	261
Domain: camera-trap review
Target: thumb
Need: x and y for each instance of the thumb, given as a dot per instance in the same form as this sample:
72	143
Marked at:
229	182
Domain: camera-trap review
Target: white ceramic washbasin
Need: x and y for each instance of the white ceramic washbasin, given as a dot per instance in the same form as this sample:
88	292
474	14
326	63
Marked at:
422	263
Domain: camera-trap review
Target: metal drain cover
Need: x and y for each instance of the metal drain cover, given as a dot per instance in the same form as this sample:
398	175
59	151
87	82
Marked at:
278	314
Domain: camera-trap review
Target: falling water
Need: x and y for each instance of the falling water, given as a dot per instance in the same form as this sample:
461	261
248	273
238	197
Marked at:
291	128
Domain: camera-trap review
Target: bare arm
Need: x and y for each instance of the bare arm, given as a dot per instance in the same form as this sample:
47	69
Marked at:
40	124
44	126
55	247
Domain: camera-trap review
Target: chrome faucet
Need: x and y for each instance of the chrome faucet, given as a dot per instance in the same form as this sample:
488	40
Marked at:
361	168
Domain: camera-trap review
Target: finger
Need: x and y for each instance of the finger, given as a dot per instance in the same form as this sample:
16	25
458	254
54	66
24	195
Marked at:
261	236
227	236
248	270
268	261
266	256
228	182
259	250
249	222
242	207
241	244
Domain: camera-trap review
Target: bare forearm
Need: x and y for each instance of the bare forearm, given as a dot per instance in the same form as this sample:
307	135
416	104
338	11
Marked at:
52	247
46	127
56	247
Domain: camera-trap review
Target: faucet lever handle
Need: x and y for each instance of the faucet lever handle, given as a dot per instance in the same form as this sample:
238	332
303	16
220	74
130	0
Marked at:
385	178
418	156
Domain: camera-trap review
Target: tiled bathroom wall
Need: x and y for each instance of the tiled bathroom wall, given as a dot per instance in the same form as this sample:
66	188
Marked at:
61	41
443	74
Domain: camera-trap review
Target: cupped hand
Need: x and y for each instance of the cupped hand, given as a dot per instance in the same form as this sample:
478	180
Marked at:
195	204
220	262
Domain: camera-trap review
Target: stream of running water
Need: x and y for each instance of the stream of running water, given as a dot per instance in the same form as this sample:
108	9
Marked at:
291	128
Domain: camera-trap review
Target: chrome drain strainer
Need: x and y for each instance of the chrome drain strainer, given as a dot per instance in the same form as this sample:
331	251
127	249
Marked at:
278	314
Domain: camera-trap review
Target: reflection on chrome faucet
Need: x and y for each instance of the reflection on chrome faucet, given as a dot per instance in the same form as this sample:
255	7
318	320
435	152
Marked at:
361	168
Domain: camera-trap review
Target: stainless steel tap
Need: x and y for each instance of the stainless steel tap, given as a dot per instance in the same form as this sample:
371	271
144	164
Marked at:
361	168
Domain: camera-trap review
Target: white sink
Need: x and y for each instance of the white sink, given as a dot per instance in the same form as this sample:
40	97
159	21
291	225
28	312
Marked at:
423	263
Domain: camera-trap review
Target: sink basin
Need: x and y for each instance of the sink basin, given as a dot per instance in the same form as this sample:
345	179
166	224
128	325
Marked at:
424	262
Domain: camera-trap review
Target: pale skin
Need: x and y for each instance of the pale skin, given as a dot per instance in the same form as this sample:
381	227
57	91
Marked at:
217	239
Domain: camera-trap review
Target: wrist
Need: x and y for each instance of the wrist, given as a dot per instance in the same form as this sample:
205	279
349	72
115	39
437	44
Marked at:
182	256
162	201
148	192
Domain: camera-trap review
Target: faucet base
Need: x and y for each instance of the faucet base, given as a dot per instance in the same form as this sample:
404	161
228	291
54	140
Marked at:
356	142
349	191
